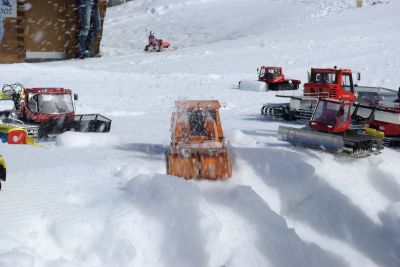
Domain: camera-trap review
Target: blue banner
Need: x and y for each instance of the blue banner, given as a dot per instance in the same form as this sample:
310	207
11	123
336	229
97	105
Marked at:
8	8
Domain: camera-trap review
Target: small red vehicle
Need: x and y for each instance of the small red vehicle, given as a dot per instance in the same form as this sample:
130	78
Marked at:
385	116
329	129
330	83
50	110
270	78
387	120
276	80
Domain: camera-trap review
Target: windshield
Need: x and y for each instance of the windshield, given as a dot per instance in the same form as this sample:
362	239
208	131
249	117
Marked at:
326	113
347	83
269	73
323	78
55	103
197	121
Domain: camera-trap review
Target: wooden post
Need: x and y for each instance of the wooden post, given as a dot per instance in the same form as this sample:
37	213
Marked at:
47	30
12	47
359	3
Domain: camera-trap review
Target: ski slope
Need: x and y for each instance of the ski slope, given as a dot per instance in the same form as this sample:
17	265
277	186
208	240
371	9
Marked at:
104	200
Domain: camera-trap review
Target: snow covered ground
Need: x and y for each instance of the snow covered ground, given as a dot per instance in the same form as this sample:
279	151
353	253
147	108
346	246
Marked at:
104	199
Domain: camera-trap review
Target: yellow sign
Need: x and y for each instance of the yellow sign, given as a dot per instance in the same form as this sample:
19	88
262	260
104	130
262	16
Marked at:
359	3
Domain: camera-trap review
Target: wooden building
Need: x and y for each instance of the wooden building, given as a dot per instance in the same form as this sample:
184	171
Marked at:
43	30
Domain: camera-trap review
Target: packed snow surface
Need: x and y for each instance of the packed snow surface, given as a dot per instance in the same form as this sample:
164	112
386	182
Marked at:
104	200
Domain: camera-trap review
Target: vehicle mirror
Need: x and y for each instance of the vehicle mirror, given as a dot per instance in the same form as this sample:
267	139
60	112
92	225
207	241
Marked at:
398	94
258	70
309	76
358	76
76	97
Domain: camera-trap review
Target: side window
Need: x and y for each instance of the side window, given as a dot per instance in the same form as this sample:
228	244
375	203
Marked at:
323	78
32	103
345	115
262	72
347	83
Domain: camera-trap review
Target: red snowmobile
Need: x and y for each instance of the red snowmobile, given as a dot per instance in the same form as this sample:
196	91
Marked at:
157	45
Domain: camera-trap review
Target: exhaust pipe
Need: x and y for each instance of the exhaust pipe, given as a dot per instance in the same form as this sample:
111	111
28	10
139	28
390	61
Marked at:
310	138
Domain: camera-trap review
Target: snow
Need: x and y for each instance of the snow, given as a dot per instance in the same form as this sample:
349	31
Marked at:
73	139
105	200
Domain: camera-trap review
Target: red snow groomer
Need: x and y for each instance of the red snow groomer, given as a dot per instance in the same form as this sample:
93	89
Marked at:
331	83
270	78
48	111
386	118
390	129
330	129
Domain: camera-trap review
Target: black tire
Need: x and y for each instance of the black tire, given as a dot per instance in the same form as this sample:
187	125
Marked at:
263	110
3	174
167	154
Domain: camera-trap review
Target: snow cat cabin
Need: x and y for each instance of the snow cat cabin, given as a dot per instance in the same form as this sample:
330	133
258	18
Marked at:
38	30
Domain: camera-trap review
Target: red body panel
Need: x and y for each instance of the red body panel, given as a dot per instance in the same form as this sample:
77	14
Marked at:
334	90
165	44
17	137
47	91
389	129
338	124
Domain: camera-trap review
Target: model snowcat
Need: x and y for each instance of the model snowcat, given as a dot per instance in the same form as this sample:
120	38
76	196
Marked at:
44	112
331	83
329	129
386	118
270	78
390	129
198	147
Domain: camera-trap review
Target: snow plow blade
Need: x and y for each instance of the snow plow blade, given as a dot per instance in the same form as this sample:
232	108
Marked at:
256	86
200	165
81	123
92	123
310	138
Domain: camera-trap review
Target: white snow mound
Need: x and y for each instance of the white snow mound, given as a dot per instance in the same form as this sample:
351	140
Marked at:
74	139
256	86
